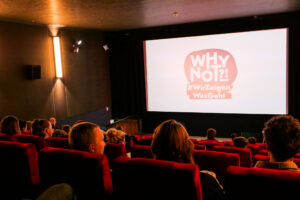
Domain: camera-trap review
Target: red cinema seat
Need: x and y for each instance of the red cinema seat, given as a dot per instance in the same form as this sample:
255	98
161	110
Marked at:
266	158
255	149
57	142
88	173
216	161
199	146
228	143
38	141
257	183
245	154
262	146
210	144
141	151
4	137
19	171
113	150
145	140
149	179
264	152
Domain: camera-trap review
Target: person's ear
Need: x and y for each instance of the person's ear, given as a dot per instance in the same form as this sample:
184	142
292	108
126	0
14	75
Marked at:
92	148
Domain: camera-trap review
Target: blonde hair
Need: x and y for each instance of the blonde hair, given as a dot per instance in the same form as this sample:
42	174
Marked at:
115	136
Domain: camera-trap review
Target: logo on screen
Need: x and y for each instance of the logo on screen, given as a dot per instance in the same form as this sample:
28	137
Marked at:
210	74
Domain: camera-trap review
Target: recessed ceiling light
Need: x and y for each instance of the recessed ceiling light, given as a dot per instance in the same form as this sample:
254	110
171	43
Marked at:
175	14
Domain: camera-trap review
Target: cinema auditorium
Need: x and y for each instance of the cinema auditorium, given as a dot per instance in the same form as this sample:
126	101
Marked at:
149	99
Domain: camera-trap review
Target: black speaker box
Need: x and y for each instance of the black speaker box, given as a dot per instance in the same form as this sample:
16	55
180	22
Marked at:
33	72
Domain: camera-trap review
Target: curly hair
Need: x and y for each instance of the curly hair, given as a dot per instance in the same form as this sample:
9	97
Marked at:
114	135
282	135
171	142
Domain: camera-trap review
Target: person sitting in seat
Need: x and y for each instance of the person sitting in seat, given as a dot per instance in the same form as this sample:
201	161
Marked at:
240	142
60	133
42	127
10	125
282	135
252	140
114	135
211	134
171	142
86	136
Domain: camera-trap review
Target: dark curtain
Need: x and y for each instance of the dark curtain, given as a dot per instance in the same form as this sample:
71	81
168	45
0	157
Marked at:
127	77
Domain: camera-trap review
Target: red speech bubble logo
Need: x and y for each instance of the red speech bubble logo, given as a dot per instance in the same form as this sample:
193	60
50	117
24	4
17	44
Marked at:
210	74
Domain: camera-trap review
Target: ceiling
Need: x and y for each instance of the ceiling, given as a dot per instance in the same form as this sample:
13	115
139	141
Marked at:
114	15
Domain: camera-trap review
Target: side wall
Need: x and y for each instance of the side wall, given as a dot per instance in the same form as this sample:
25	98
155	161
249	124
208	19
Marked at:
85	85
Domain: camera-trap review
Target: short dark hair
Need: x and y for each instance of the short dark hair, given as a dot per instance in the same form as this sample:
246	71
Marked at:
66	128
282	135
59	133
211	133
240	142
233	135
82	135
252	140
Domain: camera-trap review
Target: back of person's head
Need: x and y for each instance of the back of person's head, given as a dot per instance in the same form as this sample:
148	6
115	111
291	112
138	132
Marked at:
10	125
86	136
29	125
171	142
282	135
252	140
22	125
233	135
66	128
60	133
240	142
211	134
42	127
114	135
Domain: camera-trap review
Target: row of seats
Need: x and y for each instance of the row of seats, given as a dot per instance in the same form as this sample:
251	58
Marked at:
23	173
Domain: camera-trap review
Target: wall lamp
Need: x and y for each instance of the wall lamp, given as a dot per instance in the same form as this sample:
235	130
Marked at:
76	46
57	55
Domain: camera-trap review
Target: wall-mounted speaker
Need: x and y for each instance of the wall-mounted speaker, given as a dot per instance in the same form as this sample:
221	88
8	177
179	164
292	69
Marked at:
33	72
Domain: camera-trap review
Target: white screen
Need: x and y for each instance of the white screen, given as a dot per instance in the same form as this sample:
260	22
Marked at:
242	72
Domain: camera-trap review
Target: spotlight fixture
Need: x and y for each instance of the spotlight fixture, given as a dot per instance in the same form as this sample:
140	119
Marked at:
76	46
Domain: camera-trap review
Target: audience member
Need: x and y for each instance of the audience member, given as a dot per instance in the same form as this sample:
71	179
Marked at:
115	136
233	135
66	128
240	142
23	126
53	123
86	136
42	127
282	135
10	125
211	134
60	133
171	142
252	140
29	127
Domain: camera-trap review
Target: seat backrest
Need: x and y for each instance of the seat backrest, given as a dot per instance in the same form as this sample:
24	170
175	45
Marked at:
257	183
255	149
38	141
114	150
148	179
141	151
57	142
264	152
245	154
4	137
88	173
19	172
267	158
216	161
210	144
199	146
145	140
